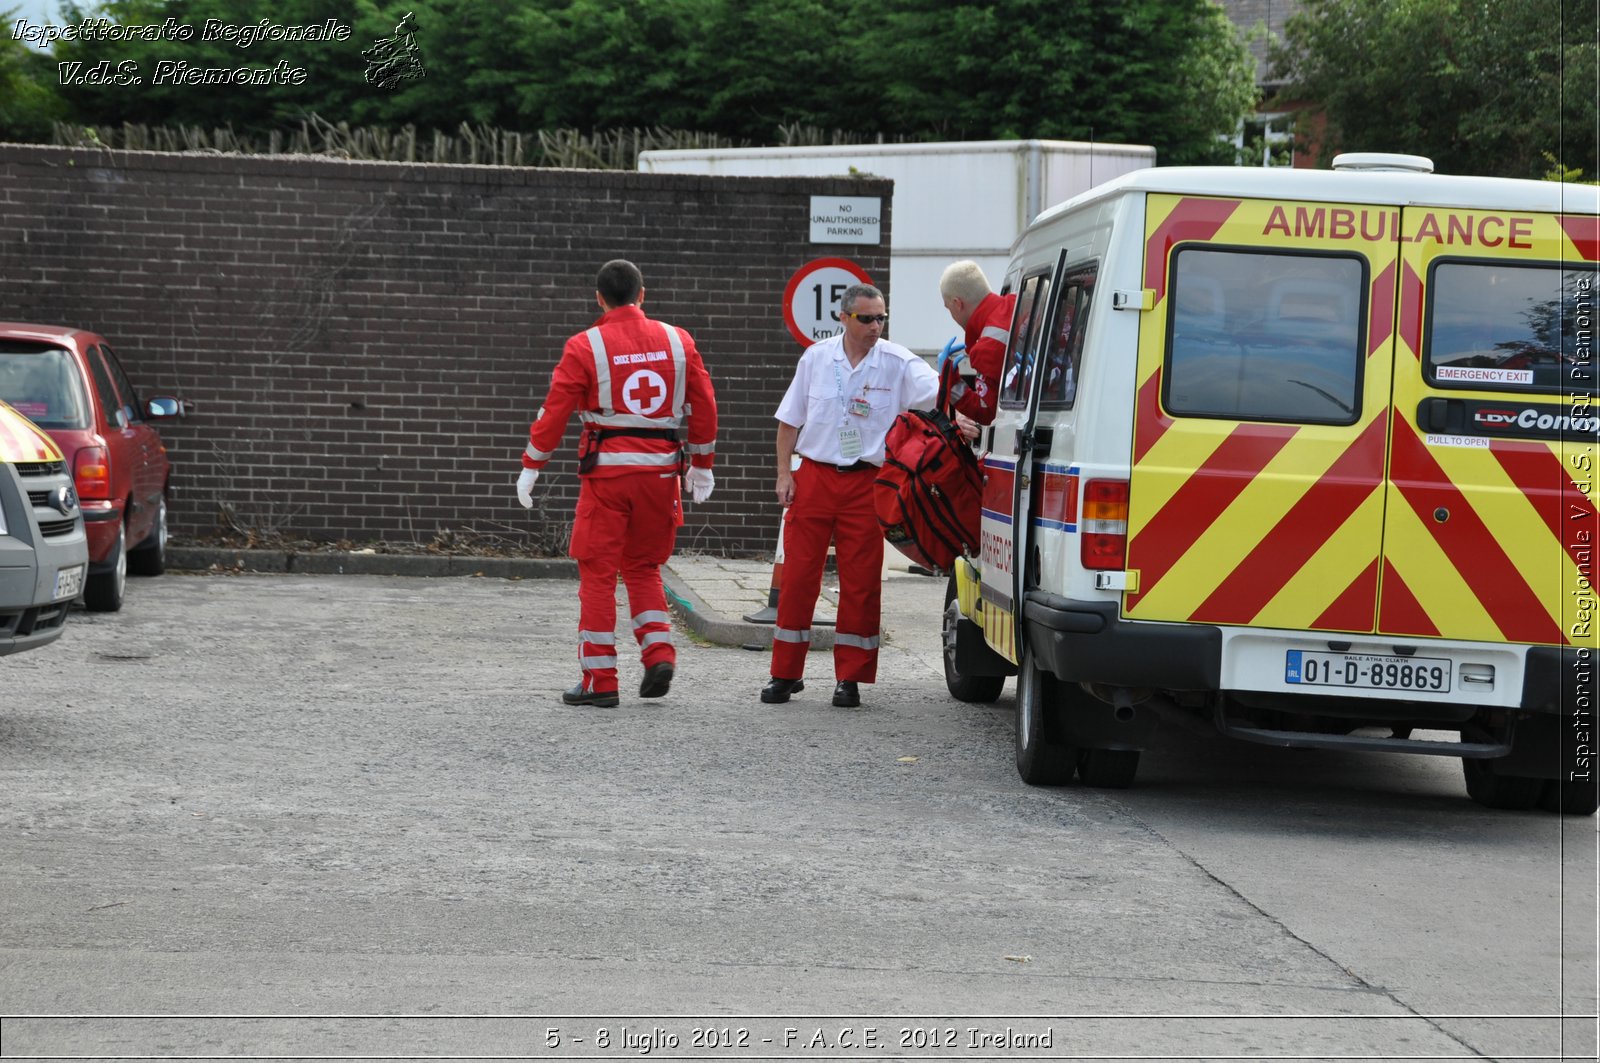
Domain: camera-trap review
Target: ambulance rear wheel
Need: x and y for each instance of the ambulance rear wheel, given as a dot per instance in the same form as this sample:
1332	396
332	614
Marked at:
1490	789
1570	798
1043	759
973	688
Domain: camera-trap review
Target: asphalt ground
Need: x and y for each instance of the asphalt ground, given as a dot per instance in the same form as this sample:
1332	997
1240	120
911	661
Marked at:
305	815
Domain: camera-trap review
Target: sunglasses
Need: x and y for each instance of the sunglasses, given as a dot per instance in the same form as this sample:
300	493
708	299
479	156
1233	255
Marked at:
867	319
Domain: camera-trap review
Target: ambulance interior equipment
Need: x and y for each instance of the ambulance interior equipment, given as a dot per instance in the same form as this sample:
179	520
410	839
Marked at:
1307	457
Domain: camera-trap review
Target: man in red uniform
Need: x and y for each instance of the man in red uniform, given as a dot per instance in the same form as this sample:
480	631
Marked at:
644	400
986	318
847	391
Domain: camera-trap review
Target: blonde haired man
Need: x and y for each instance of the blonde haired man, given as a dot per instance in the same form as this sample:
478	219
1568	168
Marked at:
986	319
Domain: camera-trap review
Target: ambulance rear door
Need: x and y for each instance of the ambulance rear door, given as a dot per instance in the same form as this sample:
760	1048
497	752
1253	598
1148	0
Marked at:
1262	413
1493	448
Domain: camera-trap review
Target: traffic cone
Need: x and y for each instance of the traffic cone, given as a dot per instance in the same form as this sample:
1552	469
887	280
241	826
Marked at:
769	614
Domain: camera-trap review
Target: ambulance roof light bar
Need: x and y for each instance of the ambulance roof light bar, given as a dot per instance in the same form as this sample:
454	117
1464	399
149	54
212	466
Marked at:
1382	162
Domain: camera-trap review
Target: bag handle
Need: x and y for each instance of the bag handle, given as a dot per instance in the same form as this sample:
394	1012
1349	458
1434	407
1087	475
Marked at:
947	376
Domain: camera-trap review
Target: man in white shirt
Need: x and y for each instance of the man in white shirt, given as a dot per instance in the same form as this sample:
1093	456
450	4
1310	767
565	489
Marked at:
846	393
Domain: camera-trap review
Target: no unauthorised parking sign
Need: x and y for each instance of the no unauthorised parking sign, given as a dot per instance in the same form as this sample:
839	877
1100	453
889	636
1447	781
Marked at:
811	301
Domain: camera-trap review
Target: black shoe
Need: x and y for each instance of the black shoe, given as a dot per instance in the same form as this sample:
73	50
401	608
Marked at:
846	695
579	695
777	691
657	680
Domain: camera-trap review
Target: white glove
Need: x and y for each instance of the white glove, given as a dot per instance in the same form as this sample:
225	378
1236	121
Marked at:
525	484
699	482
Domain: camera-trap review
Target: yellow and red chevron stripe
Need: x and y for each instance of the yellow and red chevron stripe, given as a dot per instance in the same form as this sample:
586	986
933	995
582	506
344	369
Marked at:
1482	543
1485	562
21	441
1372	526
1256	523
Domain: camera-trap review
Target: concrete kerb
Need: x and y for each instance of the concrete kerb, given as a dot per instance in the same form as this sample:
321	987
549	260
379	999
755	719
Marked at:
207	558
689	607
714	627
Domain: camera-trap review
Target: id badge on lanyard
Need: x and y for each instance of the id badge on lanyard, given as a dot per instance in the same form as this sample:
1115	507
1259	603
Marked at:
850	433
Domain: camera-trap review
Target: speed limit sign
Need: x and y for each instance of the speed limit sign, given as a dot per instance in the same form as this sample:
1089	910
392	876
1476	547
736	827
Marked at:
811	301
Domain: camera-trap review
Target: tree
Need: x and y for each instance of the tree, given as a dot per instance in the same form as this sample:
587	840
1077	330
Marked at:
1172	73
28	100
1479	86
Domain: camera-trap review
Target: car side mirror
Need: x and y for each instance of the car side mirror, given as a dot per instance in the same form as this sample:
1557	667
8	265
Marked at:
164	407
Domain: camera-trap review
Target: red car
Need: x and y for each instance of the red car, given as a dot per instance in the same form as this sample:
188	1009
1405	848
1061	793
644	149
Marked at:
69	383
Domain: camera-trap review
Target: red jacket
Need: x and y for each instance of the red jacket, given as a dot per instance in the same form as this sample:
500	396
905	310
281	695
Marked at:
988	336
631	381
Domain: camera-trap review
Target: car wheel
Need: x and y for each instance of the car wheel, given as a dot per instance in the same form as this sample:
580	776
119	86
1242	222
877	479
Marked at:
149	558
1573	798
102	592
1109	768
1490	789
1042	758
975	688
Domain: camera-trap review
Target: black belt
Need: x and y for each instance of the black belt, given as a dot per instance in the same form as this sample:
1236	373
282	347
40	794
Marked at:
857	466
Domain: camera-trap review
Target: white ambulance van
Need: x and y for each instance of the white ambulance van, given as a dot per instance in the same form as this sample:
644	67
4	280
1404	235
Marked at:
1309	455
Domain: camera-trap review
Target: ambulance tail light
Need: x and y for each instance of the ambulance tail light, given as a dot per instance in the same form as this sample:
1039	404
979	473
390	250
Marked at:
92	474
1104	530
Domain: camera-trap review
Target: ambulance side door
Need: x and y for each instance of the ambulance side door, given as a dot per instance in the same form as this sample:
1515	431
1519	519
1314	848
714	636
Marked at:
1492	459
1004	536
1262	414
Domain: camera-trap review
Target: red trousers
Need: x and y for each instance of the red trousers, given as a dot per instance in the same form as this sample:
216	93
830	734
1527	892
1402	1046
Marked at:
624	525
837	506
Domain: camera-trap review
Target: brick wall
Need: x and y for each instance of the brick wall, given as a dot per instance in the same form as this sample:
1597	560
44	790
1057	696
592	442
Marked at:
363	344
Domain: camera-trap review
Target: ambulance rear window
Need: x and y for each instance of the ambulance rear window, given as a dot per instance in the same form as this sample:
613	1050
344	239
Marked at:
1503	326
1265	336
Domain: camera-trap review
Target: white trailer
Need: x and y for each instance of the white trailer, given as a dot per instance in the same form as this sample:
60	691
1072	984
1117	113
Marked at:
963	199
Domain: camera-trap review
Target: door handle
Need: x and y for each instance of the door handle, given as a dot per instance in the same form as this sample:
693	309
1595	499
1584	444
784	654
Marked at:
1441	415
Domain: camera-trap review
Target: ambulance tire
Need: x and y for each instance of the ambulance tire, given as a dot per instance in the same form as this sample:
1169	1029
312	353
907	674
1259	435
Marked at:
1111	769
1042	758
979	689
1490	789
1570	798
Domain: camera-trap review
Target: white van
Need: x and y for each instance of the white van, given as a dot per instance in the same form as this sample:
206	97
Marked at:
1308	454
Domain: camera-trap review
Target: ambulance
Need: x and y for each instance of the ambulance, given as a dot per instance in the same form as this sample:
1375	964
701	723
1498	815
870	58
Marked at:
1306	456
44	553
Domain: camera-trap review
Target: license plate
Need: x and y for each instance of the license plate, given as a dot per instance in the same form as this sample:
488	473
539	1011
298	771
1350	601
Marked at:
1371	671
69	581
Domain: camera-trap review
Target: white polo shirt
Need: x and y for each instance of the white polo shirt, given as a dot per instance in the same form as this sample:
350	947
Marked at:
827	395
